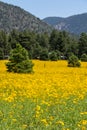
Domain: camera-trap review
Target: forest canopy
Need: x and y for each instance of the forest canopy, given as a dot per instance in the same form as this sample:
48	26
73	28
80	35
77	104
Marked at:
44	46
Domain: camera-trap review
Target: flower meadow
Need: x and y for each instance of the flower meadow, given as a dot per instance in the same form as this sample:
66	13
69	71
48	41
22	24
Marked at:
53	97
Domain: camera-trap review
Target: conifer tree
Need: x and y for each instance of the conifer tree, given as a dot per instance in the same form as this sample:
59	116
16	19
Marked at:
19	61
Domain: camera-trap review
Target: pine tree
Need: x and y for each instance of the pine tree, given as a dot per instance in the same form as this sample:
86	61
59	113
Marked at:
19	61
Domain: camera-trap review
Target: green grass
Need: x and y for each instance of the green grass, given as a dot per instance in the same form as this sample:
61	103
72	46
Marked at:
27	114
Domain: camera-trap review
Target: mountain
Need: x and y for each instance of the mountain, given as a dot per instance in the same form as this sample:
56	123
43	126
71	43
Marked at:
13	17
74	24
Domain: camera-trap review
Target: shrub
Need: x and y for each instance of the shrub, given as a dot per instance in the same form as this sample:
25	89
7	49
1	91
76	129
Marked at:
73	61
19	61
84	57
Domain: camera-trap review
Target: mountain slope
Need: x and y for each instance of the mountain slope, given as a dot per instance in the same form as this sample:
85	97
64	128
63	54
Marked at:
74	24
53	20
13	17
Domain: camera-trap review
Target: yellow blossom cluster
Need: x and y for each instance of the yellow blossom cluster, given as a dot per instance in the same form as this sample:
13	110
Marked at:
50	79
51	84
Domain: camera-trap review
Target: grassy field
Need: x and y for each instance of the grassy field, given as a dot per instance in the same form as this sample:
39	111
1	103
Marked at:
54	97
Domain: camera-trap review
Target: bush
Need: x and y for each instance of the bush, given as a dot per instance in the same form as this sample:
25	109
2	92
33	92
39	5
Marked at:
84	57
73	61
19	61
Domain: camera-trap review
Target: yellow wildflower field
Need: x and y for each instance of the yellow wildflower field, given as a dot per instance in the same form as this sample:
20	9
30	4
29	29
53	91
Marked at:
51	92
50	79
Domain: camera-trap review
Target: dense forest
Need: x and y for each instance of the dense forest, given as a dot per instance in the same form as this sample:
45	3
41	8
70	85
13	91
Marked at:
57	45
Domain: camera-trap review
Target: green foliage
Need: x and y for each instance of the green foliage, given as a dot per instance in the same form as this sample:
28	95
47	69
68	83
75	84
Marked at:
83	44
53	40
19	61
73	61
20	114
61	41
44	40
4	42
1	54
84	57
53	56
13	38
39	46
44	55
37	52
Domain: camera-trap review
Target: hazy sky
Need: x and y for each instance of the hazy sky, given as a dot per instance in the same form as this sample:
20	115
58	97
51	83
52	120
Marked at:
45	8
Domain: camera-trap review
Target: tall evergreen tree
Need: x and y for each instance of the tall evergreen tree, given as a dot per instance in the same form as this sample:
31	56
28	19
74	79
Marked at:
53	41
83	44
4	42
13	38
1	54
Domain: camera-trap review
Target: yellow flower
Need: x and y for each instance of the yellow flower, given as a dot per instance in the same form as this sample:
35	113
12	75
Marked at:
14	120
37	114
38	108
51	118
83	113
84	128
44	122
84	122
24	126
60	122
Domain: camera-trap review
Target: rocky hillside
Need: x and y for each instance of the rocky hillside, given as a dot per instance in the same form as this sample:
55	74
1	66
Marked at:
13	17
74	24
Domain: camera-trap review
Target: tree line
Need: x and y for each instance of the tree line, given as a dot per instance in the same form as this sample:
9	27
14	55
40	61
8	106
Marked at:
44	46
